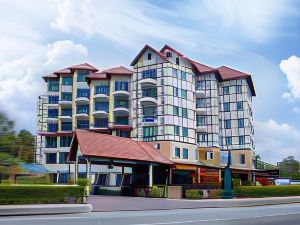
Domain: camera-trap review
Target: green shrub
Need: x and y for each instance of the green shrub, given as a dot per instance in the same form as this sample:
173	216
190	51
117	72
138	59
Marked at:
83	182
33	179
216	193
266	191
33	194
194	194
236	182
102	191
155	192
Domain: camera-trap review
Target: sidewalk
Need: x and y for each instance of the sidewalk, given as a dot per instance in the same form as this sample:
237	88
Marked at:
120	203
44	209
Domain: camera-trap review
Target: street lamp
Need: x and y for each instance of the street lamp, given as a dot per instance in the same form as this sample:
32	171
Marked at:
227	193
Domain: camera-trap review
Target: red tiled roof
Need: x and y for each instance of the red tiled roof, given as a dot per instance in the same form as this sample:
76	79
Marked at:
97	76
202	68
52	75
83	66
63	71
228	73
167	47
118	70
108	146
143	50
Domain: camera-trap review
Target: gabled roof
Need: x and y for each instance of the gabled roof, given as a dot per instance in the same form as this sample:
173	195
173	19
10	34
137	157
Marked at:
97	76
201	68
170	48
63	71
228	73
83	66
118	70
142	52
50	76
112	147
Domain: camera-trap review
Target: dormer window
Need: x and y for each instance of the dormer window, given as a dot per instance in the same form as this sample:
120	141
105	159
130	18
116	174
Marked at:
169	54
177	61
149	56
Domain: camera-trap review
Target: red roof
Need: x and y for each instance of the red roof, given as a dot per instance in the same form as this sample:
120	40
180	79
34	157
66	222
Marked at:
201	68
142	52
50	76
228	73
83	66
97	76
167	47
113	147
63	71
118	70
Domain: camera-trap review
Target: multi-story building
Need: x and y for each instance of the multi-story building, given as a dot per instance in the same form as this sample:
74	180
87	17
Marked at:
80	97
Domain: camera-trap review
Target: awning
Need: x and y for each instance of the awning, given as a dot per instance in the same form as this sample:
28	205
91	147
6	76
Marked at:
34	168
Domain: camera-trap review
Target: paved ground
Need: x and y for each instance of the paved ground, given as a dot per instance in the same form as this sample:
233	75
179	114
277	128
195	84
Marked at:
288	214
121	203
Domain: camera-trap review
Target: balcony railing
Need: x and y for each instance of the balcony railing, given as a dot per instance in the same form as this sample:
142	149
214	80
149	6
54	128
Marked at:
66	113
102	90
123	104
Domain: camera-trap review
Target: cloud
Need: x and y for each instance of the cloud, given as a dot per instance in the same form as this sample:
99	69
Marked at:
276	141
296	109
291	68
21	82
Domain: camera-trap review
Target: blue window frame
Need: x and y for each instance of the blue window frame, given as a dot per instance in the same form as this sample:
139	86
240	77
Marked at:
226	90
152	73
100	123
65	141
241	140
185	153
66	112
200	102
121	103
201	120
175	110
82	124
81	75
53	99
121	86
227	124
149	92
66	96
52	113
239	105
101	106
238	89
200	85
63	157
177	152
66	126
184	94
83	93
52	127
185	132
175	91
51	142
183	75
50	158
82	109
67	81
240	123
226	106
122	120
102	90
176	130
53	85
149	131
228	140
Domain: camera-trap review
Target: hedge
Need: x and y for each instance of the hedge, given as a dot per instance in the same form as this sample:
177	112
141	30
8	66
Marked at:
193	193
34	194
266	191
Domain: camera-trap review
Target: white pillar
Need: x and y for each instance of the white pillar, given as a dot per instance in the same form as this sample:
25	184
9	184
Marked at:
150	175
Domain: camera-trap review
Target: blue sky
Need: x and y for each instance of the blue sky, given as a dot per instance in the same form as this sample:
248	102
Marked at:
258	37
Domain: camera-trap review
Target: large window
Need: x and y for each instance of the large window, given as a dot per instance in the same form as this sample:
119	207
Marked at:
66	126
66	96
149	131
67	81
240	123
239	89
242	158
101	106
52	113
177	152
183	94
82	109
239	105
209	155
82	124
175	110
65	141
52	127
83	93
53	99
149	92
63	156
121	86
200	102
122	120
226	90
102	179
228	140
226	107
149	74
201	120
185	153
184	112
102	90
185	132
200	85
227	124
66	112
81	75
202	137
50	158
175	91
101	123
121	103
51	142
176	130
183	75
174	73
53	85
241	140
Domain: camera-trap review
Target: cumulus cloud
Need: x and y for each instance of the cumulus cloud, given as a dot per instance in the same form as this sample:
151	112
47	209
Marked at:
275	141
291	68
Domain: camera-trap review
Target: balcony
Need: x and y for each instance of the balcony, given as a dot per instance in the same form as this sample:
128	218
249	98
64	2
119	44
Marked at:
148	77
101	93
66	126
121	93
65	102
148	81
201	128
203	111
200	93
82	100
66	115
121	120
149	121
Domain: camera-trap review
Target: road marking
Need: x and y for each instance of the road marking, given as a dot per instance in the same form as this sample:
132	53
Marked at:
212	220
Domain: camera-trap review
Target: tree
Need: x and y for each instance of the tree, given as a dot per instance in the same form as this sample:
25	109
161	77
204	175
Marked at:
25	146
7	134
289	168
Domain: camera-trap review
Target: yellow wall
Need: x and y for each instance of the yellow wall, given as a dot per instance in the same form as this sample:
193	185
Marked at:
235	156
216	156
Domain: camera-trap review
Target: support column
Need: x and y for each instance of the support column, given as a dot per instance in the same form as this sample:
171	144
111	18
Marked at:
170	176
88	169
150	175
76	171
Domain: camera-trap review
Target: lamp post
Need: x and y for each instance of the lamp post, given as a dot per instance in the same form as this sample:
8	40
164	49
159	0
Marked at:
227	193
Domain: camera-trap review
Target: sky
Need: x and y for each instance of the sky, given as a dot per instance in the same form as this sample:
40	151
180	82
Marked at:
258	37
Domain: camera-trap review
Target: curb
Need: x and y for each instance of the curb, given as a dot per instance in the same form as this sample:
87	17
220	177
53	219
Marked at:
21	210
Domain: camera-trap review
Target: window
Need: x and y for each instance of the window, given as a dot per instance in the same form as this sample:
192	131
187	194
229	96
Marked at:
51	142
101	123
102	90
239	105
122	120
149	56
149	92
82	124
242	158
50	158
209	155
175	110
66	96
228	140
63	156
200	85
226	90
67	81
83	93
200	102
176	130
121	86
65	141
177	152
169	54
177	61
102	106
82	109
123	133
53	99
174	72
238	89
226	107
227	124
184	112
149	131
52	127
66	126
52	113
102	179
184	94
53	85
66	112
185	153
175	91
202	137
183	75
201	120
185	132
149	74
241	140
240	123
81	75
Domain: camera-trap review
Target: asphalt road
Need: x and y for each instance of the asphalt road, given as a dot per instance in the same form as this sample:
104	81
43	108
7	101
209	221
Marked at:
288	214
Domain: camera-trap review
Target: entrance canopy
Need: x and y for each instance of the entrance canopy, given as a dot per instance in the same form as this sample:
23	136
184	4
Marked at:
117	149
